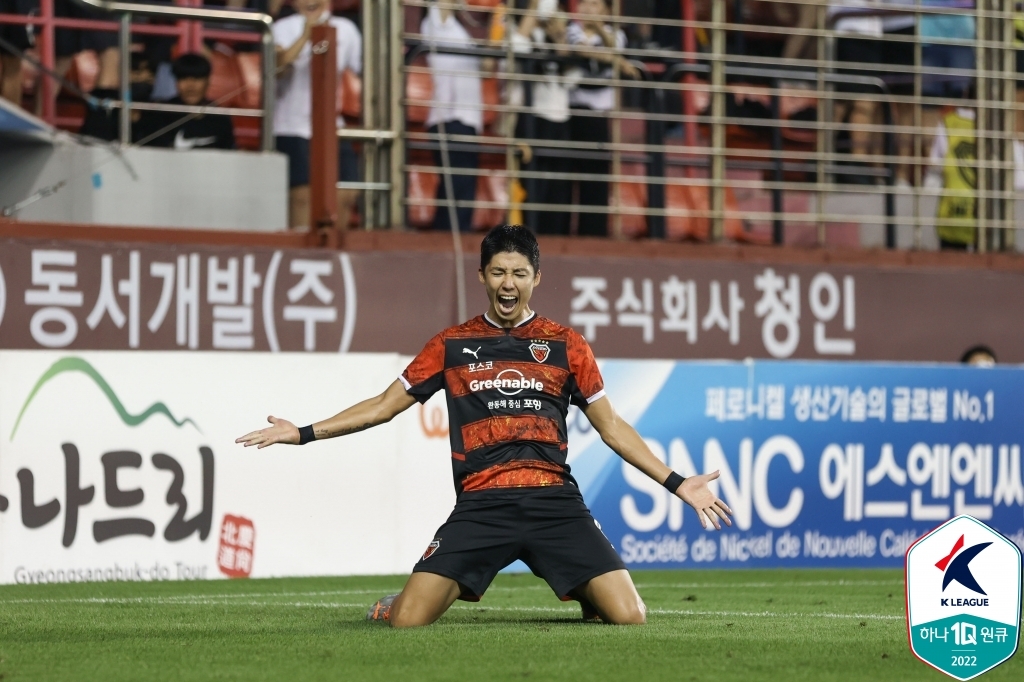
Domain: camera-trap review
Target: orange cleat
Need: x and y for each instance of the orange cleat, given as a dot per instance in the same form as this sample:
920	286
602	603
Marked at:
381	610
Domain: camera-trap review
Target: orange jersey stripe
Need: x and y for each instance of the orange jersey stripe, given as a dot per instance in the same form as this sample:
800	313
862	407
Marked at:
494	430
460	380
517	474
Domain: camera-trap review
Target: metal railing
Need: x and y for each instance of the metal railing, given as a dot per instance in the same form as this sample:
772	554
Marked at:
807	159
706	143
190	36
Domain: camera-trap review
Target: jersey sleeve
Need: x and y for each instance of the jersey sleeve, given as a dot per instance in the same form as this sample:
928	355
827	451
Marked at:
587	384
425	374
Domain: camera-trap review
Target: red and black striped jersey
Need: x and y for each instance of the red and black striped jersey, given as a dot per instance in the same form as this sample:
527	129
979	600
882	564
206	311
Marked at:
508	393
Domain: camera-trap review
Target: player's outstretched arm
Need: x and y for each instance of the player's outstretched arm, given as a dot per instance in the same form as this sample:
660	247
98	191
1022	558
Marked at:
627	443
361	416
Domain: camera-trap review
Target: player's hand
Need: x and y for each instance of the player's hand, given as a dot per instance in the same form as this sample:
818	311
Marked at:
695	492
282	431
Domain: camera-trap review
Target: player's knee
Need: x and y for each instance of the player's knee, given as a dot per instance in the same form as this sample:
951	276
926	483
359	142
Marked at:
406	618
404	614
634	613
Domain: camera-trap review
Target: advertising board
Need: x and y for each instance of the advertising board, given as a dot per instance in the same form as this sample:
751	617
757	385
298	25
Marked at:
123	466
824	464
80	296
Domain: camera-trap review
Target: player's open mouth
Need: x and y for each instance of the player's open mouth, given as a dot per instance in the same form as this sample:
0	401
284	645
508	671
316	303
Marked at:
506	304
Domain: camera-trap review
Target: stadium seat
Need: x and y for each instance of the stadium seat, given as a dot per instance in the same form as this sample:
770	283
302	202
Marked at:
687	219
225	79
29	74
85	69
350	95
248	64
419	87
421	188
491	96
492	188
632	200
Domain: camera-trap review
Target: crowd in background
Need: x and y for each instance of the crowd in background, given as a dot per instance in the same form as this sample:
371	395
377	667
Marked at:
577	54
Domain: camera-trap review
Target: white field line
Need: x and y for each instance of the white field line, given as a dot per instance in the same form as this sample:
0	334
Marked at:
211	601
492	588
809	583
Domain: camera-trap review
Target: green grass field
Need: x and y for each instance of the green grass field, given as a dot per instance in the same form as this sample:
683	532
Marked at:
703	625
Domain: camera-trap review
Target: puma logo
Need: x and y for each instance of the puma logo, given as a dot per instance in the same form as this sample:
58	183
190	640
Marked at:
472	352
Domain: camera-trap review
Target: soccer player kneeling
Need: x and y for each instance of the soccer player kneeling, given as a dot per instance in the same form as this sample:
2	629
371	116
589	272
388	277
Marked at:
510	376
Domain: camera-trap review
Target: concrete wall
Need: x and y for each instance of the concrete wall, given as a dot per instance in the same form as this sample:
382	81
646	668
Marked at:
146	186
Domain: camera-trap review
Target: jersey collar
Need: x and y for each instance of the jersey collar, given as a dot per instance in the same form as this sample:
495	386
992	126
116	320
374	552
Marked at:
491	322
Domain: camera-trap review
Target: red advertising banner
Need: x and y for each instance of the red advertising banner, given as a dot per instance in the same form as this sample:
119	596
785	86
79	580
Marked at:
99	295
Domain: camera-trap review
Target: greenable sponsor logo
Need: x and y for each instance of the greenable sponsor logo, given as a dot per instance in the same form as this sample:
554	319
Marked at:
73	364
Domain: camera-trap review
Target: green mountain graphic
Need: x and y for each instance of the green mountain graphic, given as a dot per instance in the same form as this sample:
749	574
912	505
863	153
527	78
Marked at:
73	364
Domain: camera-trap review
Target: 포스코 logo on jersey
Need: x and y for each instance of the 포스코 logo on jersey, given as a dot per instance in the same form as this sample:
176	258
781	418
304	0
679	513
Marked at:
963	598
540	351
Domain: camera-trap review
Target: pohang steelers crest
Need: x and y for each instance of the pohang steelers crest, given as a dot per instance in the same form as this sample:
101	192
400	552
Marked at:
963	598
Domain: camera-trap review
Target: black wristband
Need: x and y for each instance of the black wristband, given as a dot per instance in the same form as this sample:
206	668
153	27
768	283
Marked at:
306	435
673	482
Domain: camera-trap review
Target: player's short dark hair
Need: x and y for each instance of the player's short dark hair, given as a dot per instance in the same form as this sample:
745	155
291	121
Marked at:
510	239
191	66
980	349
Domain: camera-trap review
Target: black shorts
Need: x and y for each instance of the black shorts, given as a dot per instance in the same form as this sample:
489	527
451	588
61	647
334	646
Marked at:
297	151
550	529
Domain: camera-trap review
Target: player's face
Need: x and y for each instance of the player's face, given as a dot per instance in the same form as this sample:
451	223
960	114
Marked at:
509	279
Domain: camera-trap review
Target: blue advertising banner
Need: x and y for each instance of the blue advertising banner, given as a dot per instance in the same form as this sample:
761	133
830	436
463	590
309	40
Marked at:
824	464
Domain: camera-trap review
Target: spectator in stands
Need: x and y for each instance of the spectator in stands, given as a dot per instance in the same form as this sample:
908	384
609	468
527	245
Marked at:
1018	42
202	131
456	109
979	356
271	7
545	30
953	170
592	102
863	43
639	34
67	43
800	16
105	124
18	36
958	26
898	33
293	125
